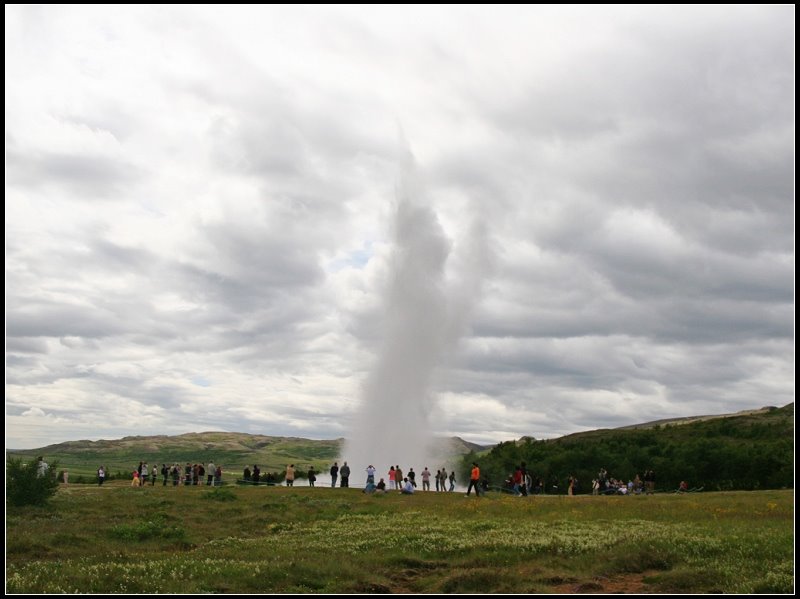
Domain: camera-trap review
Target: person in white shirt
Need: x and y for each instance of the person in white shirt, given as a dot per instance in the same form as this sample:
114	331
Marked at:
210	469
426	479
408	488
370	474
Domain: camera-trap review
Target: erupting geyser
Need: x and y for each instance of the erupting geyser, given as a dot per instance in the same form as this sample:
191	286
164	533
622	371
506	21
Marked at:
421	323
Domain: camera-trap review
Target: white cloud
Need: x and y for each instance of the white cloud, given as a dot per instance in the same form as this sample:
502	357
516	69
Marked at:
198	205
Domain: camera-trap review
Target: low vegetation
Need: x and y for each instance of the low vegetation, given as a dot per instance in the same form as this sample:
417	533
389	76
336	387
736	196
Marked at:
119	539
29	484
752	451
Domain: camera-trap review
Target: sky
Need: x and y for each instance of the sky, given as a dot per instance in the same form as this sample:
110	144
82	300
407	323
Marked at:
200	206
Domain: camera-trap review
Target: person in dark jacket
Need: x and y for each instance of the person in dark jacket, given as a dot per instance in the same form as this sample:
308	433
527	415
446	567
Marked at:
345	472
334	473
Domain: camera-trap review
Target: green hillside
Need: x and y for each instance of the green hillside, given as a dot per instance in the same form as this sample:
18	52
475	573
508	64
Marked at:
751	450
232	451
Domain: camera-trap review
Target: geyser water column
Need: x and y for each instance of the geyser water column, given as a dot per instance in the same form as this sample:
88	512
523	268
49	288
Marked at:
392	425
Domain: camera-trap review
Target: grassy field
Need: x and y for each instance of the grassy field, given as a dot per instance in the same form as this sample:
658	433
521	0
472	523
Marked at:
117	539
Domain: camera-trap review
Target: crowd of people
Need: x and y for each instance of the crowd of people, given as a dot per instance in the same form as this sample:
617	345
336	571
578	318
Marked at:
520	482
188	475
607	485
340	476
257	477
396	481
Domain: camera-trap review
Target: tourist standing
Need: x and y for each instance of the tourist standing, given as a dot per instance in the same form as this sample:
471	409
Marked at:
649	482
312	476
426	479
474	480
334	474
210	473
345	472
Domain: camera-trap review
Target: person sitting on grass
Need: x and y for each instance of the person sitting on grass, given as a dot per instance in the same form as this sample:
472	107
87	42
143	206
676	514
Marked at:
408	487
380	487
683	487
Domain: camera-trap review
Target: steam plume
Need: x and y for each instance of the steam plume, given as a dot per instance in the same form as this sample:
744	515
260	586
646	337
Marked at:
421	324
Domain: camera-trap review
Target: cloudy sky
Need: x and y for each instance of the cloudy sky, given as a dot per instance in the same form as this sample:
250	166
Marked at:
199	209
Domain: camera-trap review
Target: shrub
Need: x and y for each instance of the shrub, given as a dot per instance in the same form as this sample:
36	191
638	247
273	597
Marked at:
146	530
220	494
24	486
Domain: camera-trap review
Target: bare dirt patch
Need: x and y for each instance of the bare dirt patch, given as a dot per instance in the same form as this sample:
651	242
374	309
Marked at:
622	583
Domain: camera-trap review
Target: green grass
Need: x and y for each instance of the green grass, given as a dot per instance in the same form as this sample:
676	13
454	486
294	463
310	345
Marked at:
117	539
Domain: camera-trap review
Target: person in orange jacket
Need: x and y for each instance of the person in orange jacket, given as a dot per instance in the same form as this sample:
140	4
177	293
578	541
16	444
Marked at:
474	479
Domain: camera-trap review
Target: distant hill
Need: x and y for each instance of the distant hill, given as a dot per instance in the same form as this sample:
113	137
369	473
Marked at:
753	449
232	450
456	446
691	419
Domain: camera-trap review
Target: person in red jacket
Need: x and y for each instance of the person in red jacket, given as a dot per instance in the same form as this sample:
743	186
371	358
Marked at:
517	480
